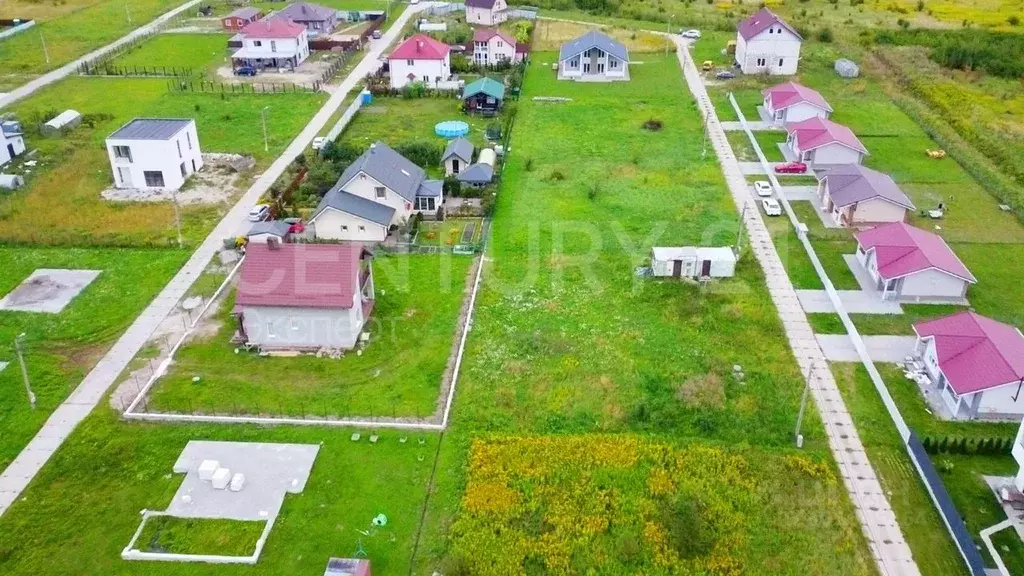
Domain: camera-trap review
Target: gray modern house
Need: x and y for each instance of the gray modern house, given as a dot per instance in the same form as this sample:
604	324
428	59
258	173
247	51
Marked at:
593	57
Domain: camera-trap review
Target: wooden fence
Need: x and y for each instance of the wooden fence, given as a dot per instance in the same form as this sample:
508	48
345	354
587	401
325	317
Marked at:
108	69
210	87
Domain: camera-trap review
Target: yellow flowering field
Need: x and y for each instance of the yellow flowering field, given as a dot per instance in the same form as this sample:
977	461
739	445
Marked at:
628	504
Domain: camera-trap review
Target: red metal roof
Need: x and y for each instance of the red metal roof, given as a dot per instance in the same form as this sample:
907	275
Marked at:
760	21
421	47
817	132
300	275
791	93
974	352
485	34
273	28
901	250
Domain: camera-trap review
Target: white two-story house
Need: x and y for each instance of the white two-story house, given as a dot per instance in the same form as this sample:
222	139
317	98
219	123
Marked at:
593	57
272	43
154	153
766	44
492	46
420	59
486	12
380	189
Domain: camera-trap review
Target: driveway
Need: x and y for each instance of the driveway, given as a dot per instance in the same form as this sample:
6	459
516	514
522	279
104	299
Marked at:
854	301
753	125
891	349
751	168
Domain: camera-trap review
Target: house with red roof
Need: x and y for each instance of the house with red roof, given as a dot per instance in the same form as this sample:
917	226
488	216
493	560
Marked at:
821	142
792	102
492	46
304	296
272	43
854	195
767	44
976	365
420	59
912	265
486	12
241	17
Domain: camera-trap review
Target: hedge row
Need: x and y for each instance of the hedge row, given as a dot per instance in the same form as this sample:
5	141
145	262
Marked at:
961	445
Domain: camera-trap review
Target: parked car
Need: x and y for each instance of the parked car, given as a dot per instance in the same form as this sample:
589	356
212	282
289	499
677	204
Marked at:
690	34
771	207
245	71
725	75
295	225
319	142
707	66
259	213
791	168
376	34
763	188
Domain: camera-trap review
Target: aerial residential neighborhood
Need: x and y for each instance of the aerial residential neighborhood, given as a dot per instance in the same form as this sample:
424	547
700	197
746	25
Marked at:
351	287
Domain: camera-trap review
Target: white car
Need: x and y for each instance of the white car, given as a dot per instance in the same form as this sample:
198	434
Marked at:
771	207
319	142
259	213
695	34
763	188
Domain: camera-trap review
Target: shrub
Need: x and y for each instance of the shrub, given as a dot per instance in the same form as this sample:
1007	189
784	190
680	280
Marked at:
1013	20
529	165
825	35
555	176
653	125
414	90
920	5
423	154
452	187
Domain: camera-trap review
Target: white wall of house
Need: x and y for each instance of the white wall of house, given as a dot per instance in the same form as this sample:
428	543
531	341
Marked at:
874	211
487	17
794	113
932	284
174	160
10	146
774	51
1018	455
493	51
278	47
288	327
454	165
369	188
999	401
832	153
334	224
430	72
593	64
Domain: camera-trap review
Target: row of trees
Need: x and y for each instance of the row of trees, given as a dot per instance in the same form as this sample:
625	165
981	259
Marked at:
960	445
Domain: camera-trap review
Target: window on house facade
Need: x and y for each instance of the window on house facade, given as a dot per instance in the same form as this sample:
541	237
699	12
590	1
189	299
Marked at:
178	144
780	61
154	178
344	228
499	44
409	63
270	330
123	152
362	228
761	61
184	171
380	192
425	203
257	43
613	63
188	138
273	45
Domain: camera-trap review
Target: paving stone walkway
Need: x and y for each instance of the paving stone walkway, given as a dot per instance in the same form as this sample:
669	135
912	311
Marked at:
16	477
891	349
885	540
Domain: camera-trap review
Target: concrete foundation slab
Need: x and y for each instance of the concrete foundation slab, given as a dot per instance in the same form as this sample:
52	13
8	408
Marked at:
855	302
48	290
892	349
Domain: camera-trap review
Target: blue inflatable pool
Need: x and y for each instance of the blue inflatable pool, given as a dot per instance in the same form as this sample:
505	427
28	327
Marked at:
451	129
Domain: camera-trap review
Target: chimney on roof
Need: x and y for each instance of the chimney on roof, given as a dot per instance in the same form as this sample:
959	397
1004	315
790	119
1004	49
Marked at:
419	44
272	243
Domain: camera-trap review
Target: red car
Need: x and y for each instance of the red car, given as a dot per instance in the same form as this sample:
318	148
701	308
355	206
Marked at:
791	168
295	226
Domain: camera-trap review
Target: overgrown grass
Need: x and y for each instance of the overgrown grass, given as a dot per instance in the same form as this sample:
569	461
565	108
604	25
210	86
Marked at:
61	348
196	52
173	535
399	121
399	374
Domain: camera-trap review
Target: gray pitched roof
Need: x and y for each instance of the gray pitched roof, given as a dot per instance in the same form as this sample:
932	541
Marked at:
388	167
854	183
461	148
151	128
357	206
276	227
305	12
590	40
430	188
477	174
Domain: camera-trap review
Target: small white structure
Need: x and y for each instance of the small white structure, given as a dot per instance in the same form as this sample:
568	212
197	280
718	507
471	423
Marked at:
593	57
12	141
847	68
792	102
268	231
458	154
154	153
220	479
766	44
66	120
420	59
1018	454
207	468
486	12
693	262
11	181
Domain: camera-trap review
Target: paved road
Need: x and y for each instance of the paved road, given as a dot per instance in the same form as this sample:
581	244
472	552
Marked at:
58	74
891	349
94	387
878	522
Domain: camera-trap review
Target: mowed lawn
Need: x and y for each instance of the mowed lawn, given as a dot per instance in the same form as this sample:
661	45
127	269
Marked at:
398	121
61	348
62	204
567	340
184	54
411	330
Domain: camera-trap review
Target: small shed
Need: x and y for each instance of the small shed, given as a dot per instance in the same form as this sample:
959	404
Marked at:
268	230
477	175
693	262
11	181
458	154
487	157
847	68
66	120
484	96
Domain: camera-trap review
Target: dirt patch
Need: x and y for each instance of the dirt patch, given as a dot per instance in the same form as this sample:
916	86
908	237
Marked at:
216	182
705	391
307	73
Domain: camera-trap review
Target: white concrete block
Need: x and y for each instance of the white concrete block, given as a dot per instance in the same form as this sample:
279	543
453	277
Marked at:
221	478
207	468
237	481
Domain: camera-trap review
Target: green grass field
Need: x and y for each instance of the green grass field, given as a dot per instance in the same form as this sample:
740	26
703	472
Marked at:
398	374
173	535
195	52
400	121
62	348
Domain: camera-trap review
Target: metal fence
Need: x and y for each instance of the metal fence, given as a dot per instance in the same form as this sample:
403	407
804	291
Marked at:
107	69
210	87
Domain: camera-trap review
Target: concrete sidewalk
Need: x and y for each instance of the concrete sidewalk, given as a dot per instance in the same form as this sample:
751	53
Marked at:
71	67
94	387
878	522
855	302
891	349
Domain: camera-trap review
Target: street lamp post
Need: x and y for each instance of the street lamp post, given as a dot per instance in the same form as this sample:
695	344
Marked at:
263	116
19	347
668	30
46	53
803	406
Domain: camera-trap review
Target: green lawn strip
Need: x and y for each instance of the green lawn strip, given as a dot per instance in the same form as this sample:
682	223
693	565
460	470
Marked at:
173	535
883	324
83	507
398	374
184	54
63	195
1010	548
398	121
73	34
61	348
449	232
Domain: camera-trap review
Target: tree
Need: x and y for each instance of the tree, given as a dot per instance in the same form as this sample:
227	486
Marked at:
321	176
522	31
943	444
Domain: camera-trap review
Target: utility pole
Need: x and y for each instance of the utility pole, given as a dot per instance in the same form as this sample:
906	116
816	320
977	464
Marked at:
668	30
704	138
803	406
177	217
46	53
19	347
128	14
263	115
739	235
